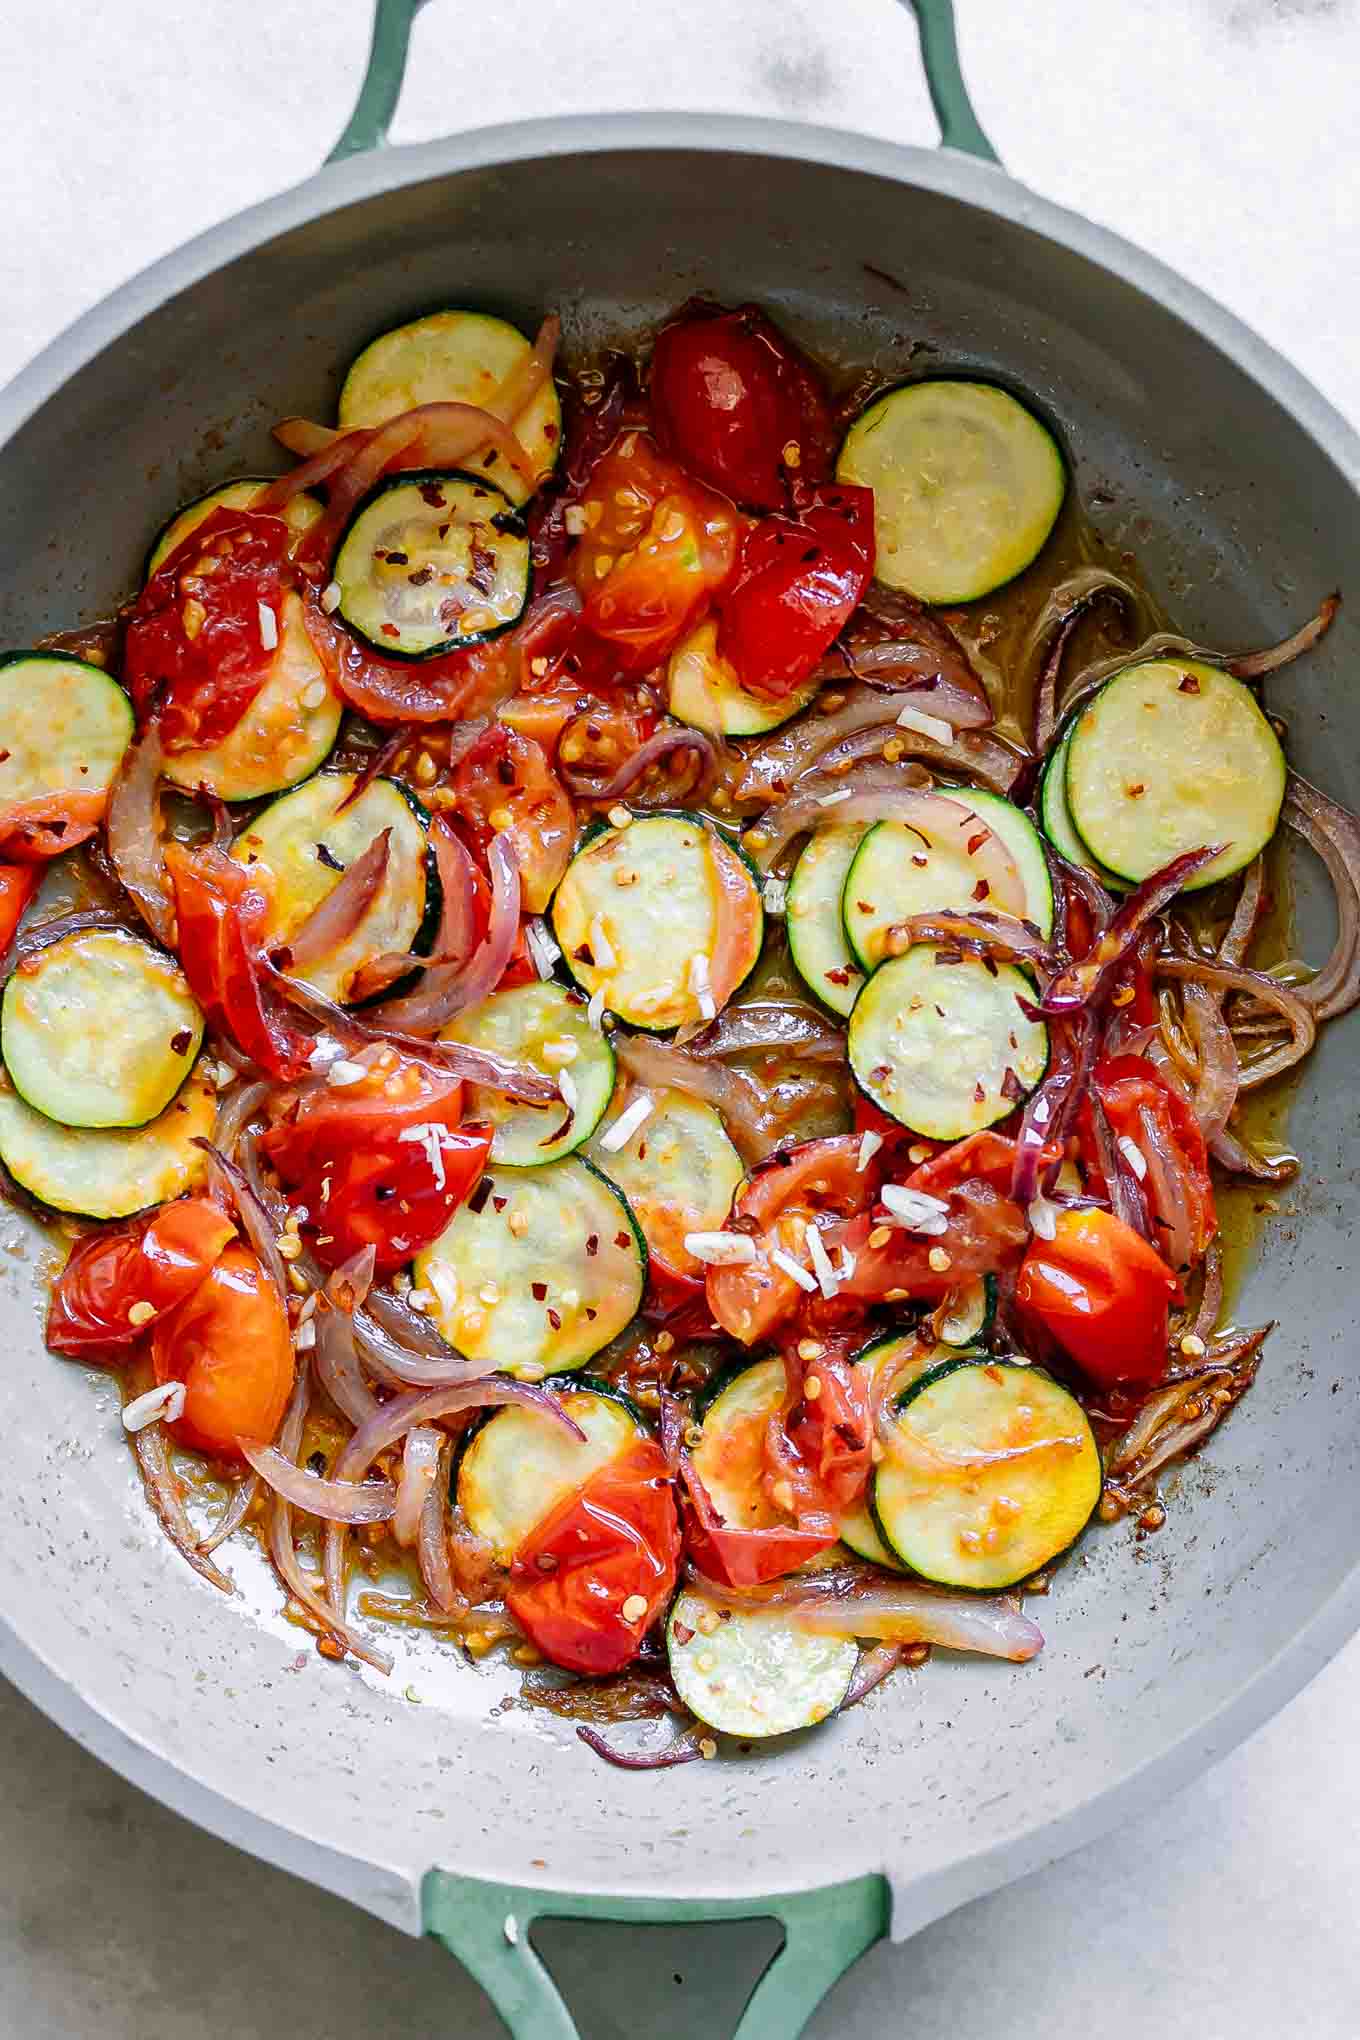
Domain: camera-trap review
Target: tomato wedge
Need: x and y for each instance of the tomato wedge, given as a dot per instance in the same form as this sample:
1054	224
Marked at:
798	582
220	916
198	629
774	1206
1146	1110
505	783
820	1443
383	1163
18	883
32	831
156	1261
590	1579
739	404
1103	1293
743	1558
228	1343
985	1229
657	546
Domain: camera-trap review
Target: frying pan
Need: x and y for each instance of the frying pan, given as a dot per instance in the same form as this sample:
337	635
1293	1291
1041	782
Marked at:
1238	485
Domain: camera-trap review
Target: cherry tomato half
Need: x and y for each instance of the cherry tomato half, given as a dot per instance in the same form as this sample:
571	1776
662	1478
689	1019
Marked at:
197	628
157	1260
589	1581
1144	1108
739	404
743	1558
818	1177
799	580
822	1443
656	548
228	1343
220	915
18	883
363	1162
1103	1293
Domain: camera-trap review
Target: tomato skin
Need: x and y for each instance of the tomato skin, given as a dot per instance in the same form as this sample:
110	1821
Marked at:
159	1260
1103	1293
729	394
32	831
212	584
505	783
1128	1086
467	683
18	883
743	1558
799	580
615	1538
220	916
342	1156
822	1445
656	549
818	1176
228	1343
985	1229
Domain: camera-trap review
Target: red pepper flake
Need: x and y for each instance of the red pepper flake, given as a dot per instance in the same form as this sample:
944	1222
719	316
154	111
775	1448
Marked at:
867	906
539	1290
979	1095
981	889
591	1315
1136	790
593	1245
682	1632
477	1203
1189	685
975	843
554	1320
919	857
499	1203
431	493
1011	1086
622	1240
390	630
839	976
882	1073
179	1043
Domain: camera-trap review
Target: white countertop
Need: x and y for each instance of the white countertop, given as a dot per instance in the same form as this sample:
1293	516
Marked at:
1219	134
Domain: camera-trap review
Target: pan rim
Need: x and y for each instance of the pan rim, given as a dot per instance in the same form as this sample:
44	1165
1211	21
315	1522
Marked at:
391	1893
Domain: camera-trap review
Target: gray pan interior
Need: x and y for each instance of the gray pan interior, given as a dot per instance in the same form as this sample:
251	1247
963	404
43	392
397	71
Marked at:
1237	486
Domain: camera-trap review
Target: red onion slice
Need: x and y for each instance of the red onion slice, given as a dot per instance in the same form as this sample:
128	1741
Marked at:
396	1418
670	738
777	1026
1251	665
234	1515
451	988
683	1750
1334	833
334	1501
1219	1076
432	1544
742	1104
152	1447
234	1187
1046	645
335	1362
453	1058
1285	999
134	834
848	1602
875	1665
336	917
284	1558
999	936
1089	977
419	1465
898	642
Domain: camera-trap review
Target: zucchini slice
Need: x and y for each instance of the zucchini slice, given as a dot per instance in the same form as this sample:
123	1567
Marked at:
900	870
812	915
1169	756
300	513
452	357
300	846
540	1269
520	1465
638	908
111	1172
703	691
1026	846
730	1455
66	725
100	1029
902	1359
432	560
967	486
946	1049
534	1026
1057	822
991	1470
751	1672
287	732
679	1172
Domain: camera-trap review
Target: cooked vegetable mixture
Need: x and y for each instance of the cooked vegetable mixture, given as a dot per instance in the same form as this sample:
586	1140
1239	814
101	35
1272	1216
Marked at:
659	991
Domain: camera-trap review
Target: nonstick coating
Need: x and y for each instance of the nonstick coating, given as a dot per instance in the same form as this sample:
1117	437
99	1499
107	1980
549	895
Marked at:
1237	487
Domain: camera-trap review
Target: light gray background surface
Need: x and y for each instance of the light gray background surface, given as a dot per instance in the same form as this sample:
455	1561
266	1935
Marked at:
1221	135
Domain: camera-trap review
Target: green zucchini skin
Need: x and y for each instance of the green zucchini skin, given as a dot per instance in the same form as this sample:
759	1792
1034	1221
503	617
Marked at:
752	1674
517	1023
581	899
1014	1513
66	725
108	1172
60	1010
506	537
1173	755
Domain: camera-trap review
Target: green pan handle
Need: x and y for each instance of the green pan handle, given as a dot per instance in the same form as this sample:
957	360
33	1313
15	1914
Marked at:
378	95
487	1927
